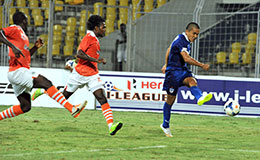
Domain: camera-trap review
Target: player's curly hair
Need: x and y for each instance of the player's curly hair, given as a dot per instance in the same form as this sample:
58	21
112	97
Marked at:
18	17
93	21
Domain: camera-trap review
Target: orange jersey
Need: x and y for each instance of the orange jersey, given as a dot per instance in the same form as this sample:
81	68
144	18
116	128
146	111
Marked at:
18	38
90	45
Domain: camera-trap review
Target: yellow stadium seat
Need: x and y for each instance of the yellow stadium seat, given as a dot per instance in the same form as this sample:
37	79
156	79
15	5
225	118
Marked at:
250	48
160	3
236	47
109	30
46	13
56	49
57	29
71	21
252	38
58	8
123	17
246	58
221	57
36	12
111	2
98	10
57	39
20	3
69	40
77	2
138	15
69	1
110	10
42	50
123	2
148	6
33	3
111	17
68	50
135	2
45	4
38	20
82	22
82	30
70	30
123	10
233	58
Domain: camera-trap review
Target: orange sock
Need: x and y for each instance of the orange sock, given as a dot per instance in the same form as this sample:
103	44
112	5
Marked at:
107	112
55	94
11	112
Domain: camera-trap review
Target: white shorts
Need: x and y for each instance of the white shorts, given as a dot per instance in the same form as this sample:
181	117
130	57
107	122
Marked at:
21	80
76	81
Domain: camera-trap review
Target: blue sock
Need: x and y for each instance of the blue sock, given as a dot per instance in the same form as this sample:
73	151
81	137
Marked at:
166	115
195	91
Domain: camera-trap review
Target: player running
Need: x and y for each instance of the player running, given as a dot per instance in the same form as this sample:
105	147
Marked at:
86	71
177	73
20	75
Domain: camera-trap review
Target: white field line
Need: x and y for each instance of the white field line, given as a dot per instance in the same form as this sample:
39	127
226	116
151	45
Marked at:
77	151
239	150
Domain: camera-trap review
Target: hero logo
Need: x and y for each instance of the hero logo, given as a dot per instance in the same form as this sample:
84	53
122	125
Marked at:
144	84
221	96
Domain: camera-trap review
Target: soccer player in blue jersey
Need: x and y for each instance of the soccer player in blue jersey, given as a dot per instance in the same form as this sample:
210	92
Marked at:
177	73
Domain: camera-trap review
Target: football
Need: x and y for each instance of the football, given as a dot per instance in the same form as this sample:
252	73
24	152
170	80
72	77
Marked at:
232	107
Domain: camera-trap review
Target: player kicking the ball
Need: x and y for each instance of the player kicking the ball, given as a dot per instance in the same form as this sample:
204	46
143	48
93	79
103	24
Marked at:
20	75
177	74
86	71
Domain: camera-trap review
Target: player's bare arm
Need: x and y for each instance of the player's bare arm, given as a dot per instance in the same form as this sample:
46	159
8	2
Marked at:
38	43
86	57
188	59
166	59
16	50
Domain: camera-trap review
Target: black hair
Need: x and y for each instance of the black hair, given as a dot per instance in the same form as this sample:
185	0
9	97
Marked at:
18	17
93	21
192	25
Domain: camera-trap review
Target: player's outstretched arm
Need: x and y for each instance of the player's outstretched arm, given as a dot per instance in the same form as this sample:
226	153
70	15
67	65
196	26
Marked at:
84	56
4	40
37	45
188	59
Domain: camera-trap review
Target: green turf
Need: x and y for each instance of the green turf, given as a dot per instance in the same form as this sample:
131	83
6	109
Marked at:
46	133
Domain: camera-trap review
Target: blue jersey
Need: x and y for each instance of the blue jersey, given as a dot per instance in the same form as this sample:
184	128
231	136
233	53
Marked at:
176	70
175	59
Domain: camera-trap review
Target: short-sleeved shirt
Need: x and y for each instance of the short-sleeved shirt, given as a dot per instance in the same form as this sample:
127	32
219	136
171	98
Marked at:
175	59
17	37
90	46
176	70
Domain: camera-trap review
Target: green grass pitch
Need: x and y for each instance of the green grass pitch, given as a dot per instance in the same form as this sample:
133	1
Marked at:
48	133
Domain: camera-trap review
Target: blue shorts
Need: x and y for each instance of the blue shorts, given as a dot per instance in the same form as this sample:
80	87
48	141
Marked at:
174	79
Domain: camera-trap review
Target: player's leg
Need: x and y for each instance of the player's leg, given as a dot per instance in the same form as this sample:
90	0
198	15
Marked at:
165	126
107	112
54	93
192	84
15	110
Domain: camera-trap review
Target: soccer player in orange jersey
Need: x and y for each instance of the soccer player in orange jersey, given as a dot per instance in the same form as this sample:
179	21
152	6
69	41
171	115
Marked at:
20	76
86	71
